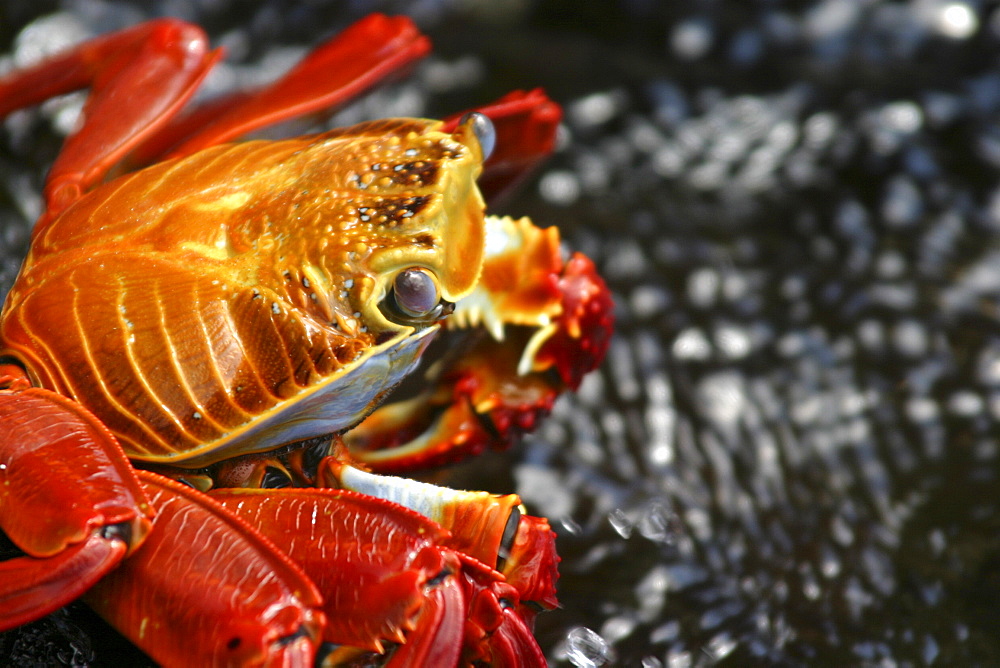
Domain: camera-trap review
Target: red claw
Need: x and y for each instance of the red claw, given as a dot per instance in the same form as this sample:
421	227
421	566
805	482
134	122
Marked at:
484	397
585	326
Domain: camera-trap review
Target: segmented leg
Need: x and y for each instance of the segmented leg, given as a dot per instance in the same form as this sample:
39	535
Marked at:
207	589
138	78
361	57
392	579
68	499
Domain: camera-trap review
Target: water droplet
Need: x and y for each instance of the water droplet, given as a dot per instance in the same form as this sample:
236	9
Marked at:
620	522
586	649
658	523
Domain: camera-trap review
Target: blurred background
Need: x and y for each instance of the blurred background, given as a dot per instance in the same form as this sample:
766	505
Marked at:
790	456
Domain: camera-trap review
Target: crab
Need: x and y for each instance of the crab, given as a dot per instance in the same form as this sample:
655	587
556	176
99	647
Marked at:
195	358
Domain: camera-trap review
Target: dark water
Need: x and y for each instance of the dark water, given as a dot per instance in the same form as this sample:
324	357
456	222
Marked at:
790	456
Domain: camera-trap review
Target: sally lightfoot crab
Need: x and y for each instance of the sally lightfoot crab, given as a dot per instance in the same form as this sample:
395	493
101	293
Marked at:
194	357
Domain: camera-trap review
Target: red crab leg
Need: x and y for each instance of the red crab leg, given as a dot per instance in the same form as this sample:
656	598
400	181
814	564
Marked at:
391	576
206	589
68	499
356	60
551	323
138	78
484	529
489	528
383	576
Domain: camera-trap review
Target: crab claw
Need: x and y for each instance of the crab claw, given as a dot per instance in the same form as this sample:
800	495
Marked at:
549	323
583	330
68	500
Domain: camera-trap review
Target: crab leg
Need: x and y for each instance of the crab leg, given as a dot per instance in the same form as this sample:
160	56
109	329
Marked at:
549	322
485	529
354	61
68	499
138	78
488	528
390	575
206	589
383	576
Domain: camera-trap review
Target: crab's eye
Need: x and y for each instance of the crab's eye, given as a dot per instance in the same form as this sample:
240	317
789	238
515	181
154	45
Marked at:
483	128
415	297
415	292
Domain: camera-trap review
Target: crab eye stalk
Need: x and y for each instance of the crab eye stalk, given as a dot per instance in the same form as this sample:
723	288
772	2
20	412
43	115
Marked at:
484	130
415	298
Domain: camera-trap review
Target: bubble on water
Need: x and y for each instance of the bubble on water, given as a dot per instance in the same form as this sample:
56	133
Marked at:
703	287
570	526
649	300
956	20
651	593
903	116
679	658
931	650
586	648
911	338
596	109
665	633
966	404
988	365
922	410
734	342
902	204
723	398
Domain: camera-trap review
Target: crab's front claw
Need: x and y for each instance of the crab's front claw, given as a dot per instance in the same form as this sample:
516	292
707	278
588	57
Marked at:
549	323
206	589
583	329
68	500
